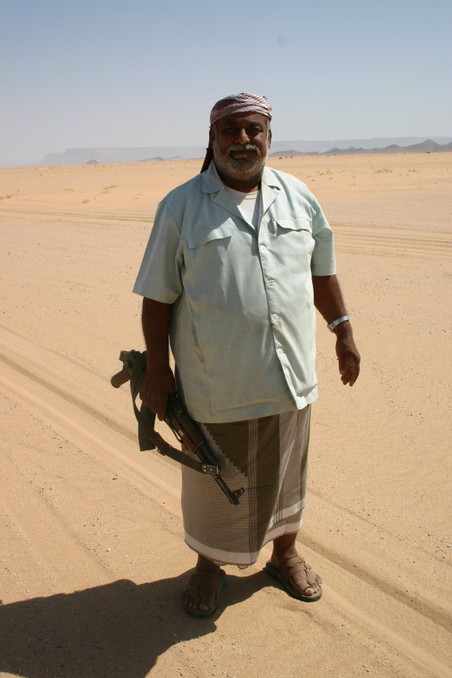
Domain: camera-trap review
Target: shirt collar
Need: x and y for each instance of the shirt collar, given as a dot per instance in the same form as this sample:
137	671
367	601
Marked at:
211	182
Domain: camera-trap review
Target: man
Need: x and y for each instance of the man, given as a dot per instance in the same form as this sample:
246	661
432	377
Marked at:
237	261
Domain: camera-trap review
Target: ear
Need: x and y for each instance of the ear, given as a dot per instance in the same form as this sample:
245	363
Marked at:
211	134
269	137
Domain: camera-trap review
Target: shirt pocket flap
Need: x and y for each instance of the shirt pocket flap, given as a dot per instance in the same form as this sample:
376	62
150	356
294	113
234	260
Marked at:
199	237
297	224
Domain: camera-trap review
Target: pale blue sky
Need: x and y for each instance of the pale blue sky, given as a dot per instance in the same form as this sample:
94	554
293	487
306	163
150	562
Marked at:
145	73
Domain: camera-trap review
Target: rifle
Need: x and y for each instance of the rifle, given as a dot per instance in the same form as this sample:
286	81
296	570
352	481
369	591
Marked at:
177	418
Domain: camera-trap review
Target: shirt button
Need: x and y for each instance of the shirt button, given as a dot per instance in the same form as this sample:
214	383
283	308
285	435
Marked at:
274	317
279	352
262	248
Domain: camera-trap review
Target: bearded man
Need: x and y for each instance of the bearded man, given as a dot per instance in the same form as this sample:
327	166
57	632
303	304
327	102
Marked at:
237	261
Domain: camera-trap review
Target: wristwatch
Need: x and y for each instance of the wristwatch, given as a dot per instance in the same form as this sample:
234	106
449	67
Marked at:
332	326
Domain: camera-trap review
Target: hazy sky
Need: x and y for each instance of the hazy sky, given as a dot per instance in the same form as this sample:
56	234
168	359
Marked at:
146	73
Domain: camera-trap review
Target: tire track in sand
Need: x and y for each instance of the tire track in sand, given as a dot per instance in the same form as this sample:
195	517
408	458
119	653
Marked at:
377	240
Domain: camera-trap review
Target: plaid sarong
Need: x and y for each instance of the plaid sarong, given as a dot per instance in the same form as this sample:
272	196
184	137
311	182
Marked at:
266	456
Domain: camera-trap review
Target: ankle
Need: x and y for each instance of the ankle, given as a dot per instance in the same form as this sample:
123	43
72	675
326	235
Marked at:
285	546
284	553
206	565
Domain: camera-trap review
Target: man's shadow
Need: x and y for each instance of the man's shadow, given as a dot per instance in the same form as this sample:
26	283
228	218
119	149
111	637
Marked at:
119	629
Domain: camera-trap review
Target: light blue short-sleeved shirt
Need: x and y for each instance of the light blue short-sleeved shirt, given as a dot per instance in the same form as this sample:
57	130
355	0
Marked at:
243	323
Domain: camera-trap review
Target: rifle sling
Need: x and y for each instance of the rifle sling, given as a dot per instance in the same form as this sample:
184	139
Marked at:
148	437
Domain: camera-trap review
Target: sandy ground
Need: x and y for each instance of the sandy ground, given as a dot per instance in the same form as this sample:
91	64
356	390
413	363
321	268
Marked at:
93	563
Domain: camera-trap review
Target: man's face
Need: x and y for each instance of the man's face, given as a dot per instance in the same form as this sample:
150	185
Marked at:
240	145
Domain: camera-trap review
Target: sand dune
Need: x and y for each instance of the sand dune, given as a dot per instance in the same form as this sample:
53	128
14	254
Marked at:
92	560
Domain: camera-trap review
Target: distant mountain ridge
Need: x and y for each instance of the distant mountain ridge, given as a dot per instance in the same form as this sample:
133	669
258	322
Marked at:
81	156
427	146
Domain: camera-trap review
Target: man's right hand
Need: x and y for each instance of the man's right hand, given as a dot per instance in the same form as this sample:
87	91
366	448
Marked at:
157	385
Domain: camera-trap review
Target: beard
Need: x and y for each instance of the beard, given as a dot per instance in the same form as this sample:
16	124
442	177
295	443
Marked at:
239	162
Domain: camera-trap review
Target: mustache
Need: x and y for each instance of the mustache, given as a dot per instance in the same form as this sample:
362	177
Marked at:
233	148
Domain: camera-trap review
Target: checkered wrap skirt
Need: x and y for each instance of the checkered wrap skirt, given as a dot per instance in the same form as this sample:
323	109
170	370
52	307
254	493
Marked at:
268	458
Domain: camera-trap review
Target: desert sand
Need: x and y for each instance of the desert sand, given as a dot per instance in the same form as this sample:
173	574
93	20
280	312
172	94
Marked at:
93	564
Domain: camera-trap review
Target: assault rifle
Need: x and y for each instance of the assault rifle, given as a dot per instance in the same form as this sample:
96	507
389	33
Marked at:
176	417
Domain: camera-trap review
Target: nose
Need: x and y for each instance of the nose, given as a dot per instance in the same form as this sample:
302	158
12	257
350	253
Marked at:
242	137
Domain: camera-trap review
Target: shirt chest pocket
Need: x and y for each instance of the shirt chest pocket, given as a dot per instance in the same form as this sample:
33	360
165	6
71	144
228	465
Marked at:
289	225
294	239
215	237
207	255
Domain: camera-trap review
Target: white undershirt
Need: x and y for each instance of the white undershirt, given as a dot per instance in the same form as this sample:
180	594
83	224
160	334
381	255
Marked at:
248	204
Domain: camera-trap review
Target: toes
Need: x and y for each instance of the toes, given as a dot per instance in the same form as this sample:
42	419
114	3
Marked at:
306	582
312	579
197	601
202	590
206	604
301	576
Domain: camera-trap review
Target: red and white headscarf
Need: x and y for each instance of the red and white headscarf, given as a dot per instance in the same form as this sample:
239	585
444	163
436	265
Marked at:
236	103
240	103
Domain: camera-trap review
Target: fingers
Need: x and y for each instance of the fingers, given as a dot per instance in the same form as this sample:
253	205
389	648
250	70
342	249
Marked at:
350	374
348	356
156	387
155	402
349	369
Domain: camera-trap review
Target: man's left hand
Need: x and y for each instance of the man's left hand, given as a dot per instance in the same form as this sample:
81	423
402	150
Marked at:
348	356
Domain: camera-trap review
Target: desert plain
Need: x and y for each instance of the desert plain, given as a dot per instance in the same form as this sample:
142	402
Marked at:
92	559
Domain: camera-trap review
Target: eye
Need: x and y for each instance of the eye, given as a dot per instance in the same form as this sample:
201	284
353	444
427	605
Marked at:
234	131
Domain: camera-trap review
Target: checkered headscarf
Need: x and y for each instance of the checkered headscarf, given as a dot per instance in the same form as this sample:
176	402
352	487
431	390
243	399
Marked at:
240	103
232	104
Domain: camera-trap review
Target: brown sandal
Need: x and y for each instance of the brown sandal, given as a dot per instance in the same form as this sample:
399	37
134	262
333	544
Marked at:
196	612
273	571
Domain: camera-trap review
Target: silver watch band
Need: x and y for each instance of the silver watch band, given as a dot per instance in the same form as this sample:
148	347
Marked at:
332	326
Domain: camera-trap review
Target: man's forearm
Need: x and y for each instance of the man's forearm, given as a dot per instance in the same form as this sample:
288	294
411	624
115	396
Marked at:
328	297
329	302
159	380
156	319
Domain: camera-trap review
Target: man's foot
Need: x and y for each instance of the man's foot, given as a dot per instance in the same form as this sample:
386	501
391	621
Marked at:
202	596
296	577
